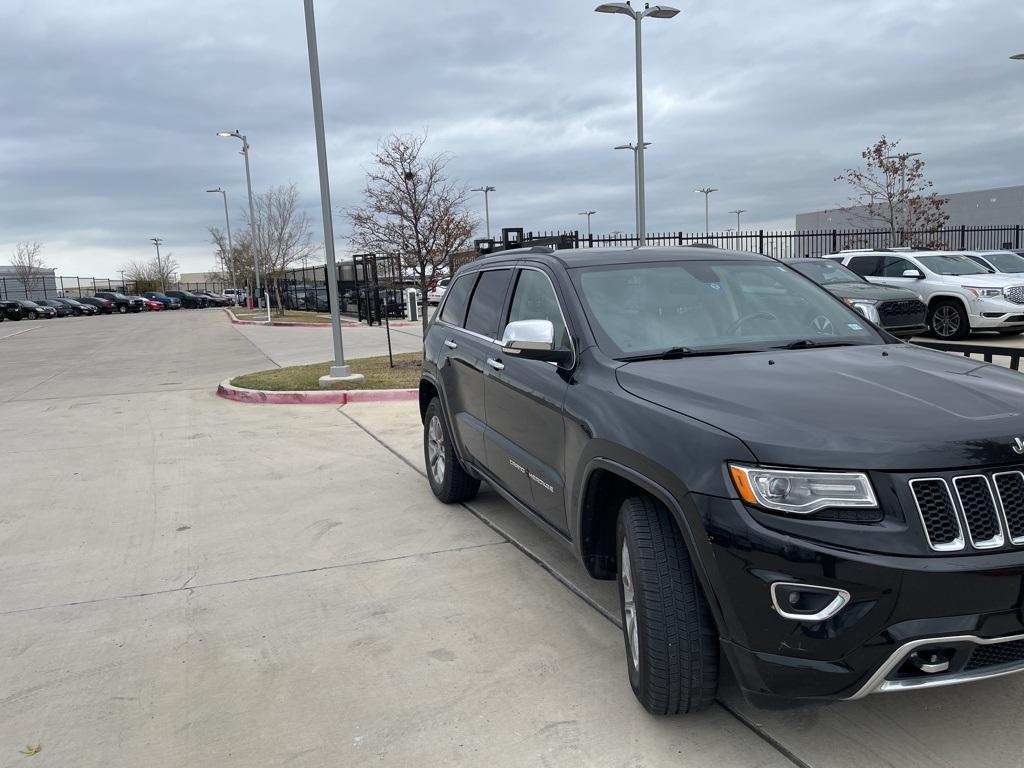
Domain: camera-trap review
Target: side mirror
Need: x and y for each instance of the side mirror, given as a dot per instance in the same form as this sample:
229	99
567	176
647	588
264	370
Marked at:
533	340
914	273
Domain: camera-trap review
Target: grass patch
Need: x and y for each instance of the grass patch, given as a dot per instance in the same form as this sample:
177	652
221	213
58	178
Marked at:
405	375
289	316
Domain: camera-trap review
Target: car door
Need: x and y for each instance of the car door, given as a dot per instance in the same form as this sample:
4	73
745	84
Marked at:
891	272
868	266
524	398
463	352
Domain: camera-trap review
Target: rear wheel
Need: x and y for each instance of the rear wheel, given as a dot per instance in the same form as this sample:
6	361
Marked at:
449	480
948	320
122	309
670	636
32	314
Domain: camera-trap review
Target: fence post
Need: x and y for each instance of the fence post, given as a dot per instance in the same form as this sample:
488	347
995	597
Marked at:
1016	237
963	237
760	241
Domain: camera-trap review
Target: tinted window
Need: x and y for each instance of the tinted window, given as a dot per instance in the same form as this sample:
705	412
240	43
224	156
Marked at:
825	272
866	265
953	265
485	306
456	299
893	266
534	299
1003	262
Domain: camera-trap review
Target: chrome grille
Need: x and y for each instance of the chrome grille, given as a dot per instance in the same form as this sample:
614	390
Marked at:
1010	490
979	508
1015	293
938	514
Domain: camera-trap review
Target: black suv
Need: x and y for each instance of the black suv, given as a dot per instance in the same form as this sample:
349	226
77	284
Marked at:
765	474
122	303
188	299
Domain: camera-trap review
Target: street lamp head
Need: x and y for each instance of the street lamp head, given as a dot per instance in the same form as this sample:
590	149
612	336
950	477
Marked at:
661	11
218	189
624	8
705	190
483	189
586	213
1018	57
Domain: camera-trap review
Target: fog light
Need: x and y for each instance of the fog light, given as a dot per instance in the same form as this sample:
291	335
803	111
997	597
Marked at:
807	602
930	661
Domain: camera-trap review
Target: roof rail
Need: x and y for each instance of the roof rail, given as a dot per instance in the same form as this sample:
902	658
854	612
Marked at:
700	245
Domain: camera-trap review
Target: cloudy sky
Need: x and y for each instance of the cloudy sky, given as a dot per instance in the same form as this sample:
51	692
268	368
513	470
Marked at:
108	110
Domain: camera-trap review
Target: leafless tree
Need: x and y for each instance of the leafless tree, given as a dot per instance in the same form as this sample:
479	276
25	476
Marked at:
413	209
891	192
27	263
151	275
283	234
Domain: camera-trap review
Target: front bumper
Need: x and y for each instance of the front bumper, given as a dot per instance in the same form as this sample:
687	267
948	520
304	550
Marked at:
898	605
995	314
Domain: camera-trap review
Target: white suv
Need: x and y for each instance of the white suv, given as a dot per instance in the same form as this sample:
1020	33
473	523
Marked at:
961	294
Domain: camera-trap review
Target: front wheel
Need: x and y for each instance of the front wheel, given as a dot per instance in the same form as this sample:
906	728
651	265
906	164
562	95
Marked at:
122	309
449	480
670	636
948	320
33	315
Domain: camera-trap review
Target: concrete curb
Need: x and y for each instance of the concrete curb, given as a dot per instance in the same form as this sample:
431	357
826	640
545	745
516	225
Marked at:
314	397
265	324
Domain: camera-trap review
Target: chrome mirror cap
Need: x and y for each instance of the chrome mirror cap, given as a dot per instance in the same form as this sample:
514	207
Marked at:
533	335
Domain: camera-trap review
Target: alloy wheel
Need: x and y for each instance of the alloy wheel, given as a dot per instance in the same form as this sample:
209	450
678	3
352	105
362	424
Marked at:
946	321
629	607
435	450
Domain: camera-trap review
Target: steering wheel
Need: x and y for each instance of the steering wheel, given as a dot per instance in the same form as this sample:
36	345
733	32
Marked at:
747	318
823	325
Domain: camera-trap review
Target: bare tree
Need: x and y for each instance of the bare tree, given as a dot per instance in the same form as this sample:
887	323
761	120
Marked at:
411	208
151	275
237	260
27	263
283	234
891	192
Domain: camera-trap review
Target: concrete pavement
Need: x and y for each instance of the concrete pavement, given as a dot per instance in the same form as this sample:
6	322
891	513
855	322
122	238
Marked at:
302	346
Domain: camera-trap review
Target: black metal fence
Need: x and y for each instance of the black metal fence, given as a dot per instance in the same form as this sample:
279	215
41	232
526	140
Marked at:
986	353
54	287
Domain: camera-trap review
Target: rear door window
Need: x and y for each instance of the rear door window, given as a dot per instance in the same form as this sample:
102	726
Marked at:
488	298
866	266
456	300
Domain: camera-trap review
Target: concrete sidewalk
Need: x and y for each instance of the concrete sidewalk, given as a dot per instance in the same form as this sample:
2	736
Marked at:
303	346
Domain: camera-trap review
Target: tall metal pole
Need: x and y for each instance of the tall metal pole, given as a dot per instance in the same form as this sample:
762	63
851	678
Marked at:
706	191
252	222
163	282
738	211
641	206
339	369
487	205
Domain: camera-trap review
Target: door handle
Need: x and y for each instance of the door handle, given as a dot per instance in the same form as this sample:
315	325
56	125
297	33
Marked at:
495	364
450	344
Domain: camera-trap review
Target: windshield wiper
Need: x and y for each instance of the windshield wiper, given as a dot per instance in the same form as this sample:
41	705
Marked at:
675	353
807	343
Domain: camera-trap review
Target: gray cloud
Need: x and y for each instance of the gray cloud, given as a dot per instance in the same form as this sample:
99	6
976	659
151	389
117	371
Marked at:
110	109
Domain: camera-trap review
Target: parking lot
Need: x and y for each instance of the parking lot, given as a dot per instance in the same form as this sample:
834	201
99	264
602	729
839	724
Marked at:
191	581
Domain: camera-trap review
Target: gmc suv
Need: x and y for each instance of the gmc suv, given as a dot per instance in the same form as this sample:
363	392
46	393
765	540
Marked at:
771	479
961	294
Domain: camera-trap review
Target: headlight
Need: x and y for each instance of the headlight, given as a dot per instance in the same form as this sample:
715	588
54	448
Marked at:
985	293
867	307
802	493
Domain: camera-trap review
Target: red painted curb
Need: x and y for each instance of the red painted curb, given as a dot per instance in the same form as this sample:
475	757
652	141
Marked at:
314	397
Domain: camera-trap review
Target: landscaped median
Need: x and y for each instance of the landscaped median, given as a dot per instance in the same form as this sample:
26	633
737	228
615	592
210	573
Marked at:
291	317
301	383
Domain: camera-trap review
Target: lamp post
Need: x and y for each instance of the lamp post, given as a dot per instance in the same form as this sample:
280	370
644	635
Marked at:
654	12
738	211
163	283
588	214
706	191
339	370
252	211
487	205
636	184
230	260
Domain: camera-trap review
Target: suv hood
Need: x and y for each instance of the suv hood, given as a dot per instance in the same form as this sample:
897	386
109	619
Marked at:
847	407
853	290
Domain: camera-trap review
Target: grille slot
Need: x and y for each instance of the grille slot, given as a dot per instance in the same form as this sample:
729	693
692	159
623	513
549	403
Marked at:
1010	489
906	312
938	514
1015	293
995	655
979	507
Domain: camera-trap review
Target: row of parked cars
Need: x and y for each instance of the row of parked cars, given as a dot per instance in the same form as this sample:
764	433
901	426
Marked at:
109	302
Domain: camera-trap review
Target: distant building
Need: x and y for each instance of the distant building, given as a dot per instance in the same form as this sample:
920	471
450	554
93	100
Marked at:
1003	207
44	284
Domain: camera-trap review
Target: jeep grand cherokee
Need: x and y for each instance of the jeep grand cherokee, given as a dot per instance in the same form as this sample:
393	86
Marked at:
771	479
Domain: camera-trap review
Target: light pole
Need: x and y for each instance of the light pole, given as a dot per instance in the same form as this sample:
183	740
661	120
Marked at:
738	211
487	205
230	260
706	191
588	214
252	212
339	371
655	12
636	185
163	283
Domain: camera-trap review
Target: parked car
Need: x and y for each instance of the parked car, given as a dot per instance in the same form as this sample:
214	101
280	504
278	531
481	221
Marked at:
189	300
310	299
78	308
962	295
122	304
62	309
105	306
10	310
170	302
151	305
769	479
215	299
1005	262
237	295
898	311
435	294
30	310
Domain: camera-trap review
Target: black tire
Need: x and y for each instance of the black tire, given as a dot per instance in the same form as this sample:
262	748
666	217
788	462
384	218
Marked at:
78	313
32	314
677	654
122	309
450	482
948	321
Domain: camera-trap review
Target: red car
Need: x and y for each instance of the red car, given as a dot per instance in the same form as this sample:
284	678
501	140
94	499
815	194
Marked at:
150	304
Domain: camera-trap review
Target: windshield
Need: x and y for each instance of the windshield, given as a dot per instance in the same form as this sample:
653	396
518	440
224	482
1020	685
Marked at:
1005	261
638	309
953	265
826	272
